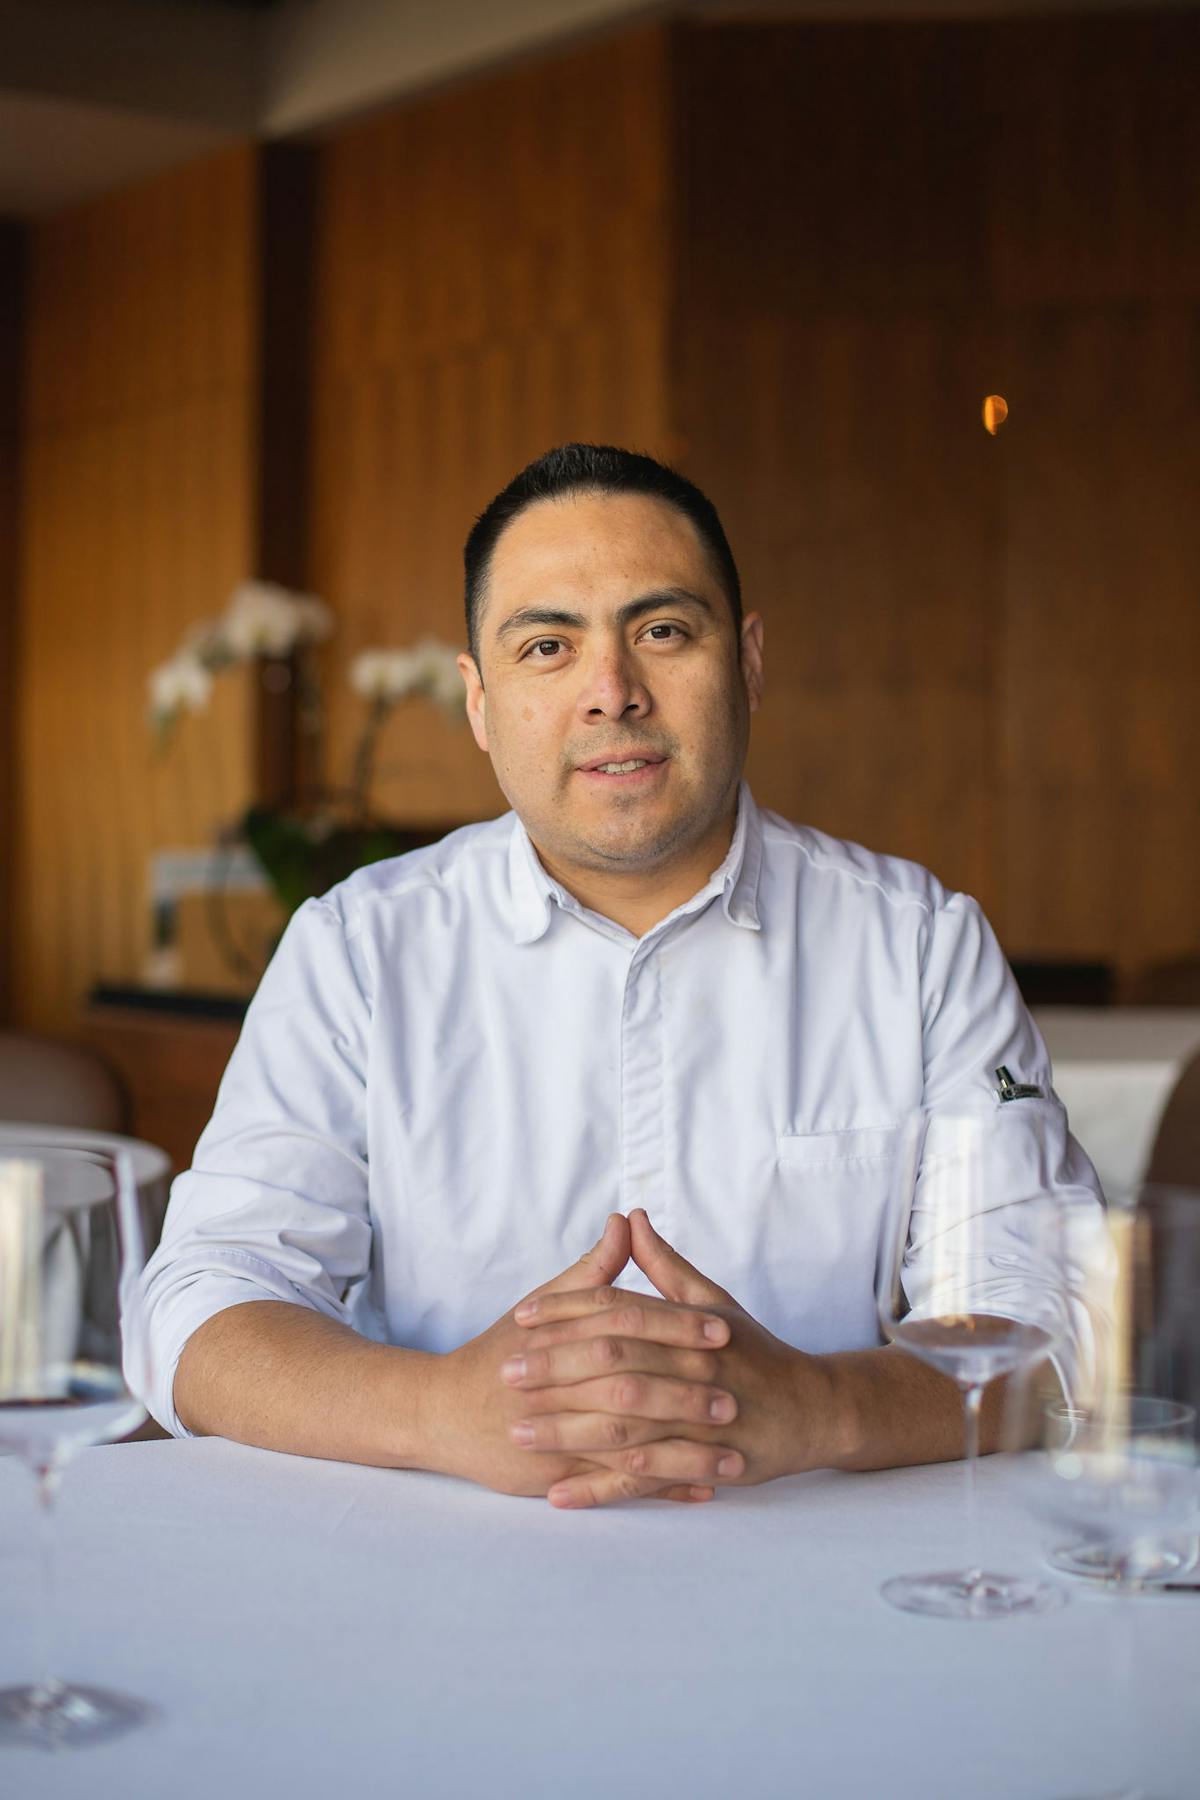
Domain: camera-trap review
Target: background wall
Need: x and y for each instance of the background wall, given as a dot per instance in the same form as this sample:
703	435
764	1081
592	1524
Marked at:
793	258
139	496
984	654
492	277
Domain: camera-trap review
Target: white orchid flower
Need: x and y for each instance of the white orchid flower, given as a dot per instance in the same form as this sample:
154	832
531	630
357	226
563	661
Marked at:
389	675
183	684
316	619
448	691
264	619
440	678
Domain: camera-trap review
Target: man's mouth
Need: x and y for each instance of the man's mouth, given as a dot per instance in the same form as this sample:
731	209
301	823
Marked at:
624	768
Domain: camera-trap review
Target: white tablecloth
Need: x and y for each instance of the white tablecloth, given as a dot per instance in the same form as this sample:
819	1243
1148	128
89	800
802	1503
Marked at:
1114	1069
313	1629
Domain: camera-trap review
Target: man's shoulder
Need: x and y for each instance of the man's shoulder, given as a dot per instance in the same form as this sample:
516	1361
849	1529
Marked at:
462	863
807	856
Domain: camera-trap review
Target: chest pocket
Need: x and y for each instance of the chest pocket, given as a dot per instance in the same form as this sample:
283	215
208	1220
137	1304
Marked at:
872	1147
831	1200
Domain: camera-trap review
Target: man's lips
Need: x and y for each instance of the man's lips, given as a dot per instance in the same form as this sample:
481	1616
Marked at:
600	762
647	773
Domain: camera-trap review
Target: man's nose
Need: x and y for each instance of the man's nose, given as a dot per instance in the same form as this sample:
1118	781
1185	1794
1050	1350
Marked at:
613	688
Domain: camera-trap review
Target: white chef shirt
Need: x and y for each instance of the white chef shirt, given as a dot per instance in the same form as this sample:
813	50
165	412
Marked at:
452	1071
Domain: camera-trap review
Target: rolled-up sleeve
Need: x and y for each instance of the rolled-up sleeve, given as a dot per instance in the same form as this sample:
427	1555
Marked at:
975	1023
275	1204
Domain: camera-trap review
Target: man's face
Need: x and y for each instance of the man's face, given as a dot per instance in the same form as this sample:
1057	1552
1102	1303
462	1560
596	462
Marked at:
606	638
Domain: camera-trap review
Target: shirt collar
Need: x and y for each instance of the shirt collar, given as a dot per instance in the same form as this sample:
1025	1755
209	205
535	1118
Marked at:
533	891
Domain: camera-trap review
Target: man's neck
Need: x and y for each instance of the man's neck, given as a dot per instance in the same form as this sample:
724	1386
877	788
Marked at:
639	899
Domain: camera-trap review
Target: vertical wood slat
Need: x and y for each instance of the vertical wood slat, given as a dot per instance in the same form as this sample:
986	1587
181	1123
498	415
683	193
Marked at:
13	247
284	754
140	420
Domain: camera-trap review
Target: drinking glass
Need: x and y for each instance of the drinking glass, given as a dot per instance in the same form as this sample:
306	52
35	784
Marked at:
71	1250
972	1280
1140	1389
1123	1478
1154	1434
1162	1224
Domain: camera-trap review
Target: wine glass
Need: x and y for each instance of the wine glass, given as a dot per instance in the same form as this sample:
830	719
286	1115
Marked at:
71	1250
972	1279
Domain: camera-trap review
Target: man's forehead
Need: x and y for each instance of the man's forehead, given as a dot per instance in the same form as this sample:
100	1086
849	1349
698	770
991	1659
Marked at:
599	544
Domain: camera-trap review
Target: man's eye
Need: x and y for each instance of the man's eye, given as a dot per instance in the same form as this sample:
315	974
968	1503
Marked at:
544	648
662	628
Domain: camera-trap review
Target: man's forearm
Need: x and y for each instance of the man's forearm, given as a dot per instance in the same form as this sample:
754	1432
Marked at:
288	1378
890	1410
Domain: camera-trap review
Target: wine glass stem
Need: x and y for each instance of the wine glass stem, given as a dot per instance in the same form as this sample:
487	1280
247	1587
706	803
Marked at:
1122	1662
972	1398
48	1476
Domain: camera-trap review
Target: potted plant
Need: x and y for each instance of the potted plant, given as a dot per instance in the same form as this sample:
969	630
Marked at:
315	838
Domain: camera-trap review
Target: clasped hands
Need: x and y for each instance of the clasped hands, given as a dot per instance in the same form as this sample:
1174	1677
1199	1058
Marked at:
600	1394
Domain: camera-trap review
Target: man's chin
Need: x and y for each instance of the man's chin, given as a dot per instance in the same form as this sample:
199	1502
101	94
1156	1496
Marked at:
630	843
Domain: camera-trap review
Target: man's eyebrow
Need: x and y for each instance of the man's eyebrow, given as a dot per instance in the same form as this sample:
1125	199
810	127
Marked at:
633	609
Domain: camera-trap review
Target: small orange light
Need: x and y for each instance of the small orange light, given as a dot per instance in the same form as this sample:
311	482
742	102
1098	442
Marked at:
995	411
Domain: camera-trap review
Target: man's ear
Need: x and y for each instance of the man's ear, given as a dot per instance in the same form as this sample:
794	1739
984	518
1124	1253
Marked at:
752	658
476	706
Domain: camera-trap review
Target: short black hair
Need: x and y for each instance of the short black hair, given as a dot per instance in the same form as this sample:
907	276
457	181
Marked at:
594	469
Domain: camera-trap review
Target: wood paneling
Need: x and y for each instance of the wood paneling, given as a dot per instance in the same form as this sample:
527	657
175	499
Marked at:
1094	146
835	348
793	258
492	279
138	519
172	1067
13	239
286	754
981	653
1101	646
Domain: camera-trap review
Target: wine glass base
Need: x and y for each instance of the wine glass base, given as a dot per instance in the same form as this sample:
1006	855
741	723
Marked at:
974	1594
1148	1563
59	1717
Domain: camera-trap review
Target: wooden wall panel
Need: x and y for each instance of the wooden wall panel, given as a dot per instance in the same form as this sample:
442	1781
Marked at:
138	520
792	257
1094	146
13	241
981	653
1101	647
835	347
492	279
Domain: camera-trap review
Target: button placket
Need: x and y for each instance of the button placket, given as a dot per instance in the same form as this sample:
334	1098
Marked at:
643	1146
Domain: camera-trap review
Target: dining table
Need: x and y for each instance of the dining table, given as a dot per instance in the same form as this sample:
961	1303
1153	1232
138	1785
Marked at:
150	1166
310	1628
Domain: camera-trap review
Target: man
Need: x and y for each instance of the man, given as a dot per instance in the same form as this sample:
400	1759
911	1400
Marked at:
635	996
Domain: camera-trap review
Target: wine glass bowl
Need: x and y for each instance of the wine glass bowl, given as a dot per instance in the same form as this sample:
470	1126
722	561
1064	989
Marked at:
71	1251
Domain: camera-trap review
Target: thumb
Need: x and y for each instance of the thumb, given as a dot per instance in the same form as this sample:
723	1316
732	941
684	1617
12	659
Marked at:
599	1266
672	1275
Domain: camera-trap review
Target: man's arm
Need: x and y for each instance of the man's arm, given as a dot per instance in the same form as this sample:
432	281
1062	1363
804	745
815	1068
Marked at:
288	1378
891	1411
